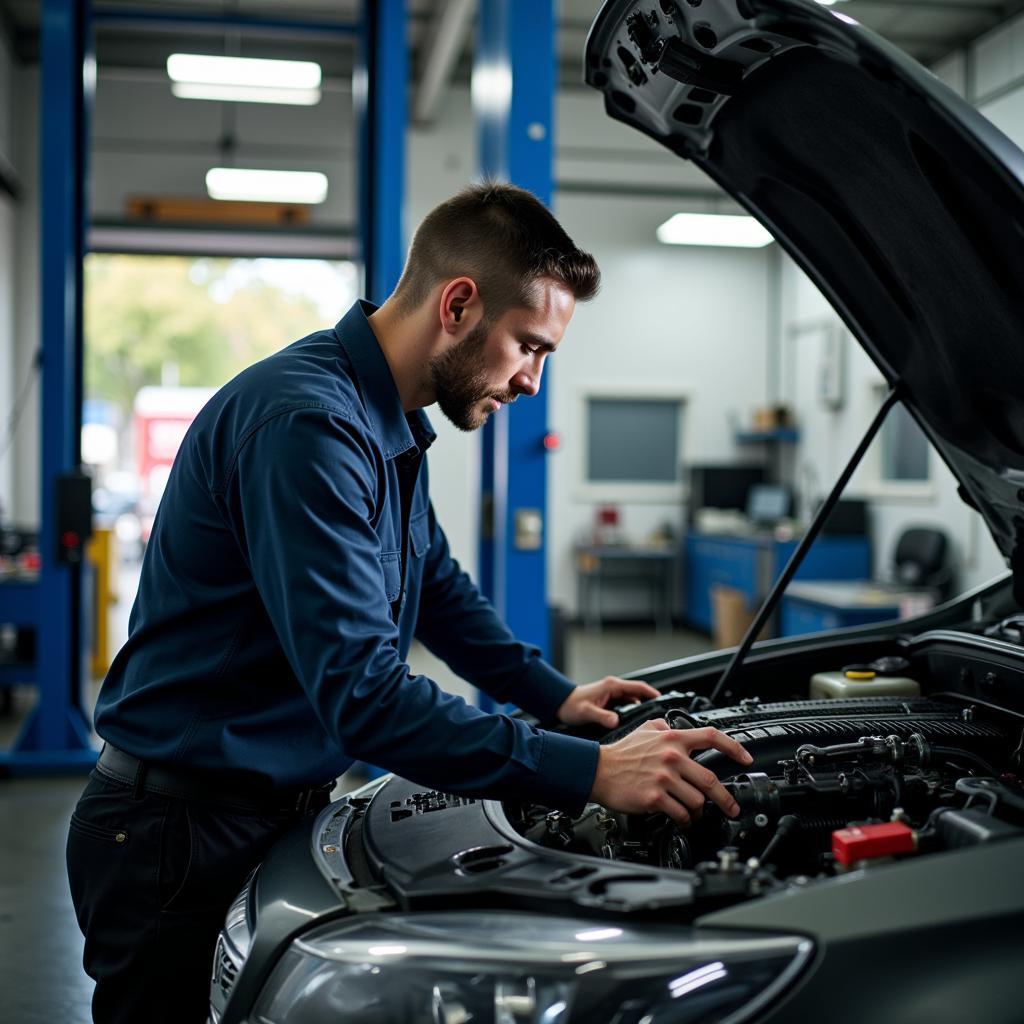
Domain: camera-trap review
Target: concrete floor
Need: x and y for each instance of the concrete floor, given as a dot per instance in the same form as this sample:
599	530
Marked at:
41	978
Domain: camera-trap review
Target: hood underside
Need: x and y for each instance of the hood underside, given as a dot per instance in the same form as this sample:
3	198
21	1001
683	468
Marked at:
901	202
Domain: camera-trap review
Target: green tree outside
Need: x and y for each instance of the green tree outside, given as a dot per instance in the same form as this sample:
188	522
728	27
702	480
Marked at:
208	317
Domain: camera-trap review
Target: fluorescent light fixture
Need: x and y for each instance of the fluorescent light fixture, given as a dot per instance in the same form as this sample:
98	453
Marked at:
245	94
279	74
713	229
597	934
266	186
198	76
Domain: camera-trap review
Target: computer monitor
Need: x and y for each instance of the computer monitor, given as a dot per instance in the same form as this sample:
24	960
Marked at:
721	486
768	503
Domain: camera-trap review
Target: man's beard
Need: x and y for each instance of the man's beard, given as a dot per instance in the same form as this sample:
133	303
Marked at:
459	380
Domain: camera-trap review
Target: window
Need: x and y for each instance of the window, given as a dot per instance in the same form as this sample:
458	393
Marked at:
631	443
904	449
900	460
632	440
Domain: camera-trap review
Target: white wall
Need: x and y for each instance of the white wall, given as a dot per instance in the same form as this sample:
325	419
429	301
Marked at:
26	480
7	385
13	363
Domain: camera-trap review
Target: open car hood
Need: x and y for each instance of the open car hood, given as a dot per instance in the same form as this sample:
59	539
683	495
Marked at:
900	201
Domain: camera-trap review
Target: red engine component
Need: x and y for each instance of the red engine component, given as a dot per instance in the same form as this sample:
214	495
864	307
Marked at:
866	842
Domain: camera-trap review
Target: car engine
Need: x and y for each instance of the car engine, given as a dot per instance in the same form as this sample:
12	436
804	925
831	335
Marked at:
835	784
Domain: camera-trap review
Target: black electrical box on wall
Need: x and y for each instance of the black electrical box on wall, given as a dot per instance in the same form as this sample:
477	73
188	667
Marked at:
74	516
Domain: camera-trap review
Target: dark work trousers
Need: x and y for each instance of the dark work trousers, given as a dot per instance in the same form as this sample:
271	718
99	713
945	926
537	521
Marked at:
151	879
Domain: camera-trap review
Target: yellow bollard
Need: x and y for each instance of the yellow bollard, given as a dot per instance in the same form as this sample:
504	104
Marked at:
101	553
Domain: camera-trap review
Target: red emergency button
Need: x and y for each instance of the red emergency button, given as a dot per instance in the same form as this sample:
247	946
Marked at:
864	842
552	441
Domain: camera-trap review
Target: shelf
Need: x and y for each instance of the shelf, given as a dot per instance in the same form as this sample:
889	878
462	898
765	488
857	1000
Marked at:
783	435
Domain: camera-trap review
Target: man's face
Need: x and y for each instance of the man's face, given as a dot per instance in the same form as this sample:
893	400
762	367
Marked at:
497	362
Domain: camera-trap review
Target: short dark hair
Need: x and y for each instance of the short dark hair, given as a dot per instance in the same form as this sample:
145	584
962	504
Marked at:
505	239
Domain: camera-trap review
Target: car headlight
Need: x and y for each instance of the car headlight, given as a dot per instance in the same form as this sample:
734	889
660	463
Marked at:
520	968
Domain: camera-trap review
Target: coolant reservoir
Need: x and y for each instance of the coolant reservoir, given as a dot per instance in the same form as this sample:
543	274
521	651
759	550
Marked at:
882	678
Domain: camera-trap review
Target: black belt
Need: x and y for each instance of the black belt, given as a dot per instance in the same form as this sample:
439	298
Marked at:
146	777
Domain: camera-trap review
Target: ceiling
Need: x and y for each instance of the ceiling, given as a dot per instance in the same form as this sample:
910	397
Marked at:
926	29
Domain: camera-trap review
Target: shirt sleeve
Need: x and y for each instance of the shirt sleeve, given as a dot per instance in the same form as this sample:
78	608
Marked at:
302	499
459	625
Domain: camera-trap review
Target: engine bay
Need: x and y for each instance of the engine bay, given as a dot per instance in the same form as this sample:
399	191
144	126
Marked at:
835	784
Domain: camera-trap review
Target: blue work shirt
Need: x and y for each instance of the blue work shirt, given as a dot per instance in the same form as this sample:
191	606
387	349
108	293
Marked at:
281	589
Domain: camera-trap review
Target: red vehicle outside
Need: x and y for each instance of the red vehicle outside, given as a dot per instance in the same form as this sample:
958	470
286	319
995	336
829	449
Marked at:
161	417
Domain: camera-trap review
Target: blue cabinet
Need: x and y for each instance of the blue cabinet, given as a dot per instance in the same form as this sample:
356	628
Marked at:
836	604
752	564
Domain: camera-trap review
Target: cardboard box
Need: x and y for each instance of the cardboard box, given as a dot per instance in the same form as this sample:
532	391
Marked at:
730	617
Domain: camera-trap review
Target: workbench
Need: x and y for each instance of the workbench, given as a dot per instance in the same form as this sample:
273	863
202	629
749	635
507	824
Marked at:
603	567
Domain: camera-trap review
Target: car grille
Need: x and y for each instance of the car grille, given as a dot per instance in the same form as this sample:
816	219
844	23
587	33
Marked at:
225	974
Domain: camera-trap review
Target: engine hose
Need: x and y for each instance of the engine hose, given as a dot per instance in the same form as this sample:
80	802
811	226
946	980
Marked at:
822	824
955	753
790	823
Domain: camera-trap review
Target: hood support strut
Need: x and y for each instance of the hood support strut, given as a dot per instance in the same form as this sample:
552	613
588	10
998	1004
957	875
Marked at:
820	518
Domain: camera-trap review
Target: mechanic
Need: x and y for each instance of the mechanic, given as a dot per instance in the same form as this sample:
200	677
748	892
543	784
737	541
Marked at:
294	557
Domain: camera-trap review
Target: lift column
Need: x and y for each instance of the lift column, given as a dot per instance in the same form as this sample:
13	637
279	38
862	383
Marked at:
56	735
380	86
513	104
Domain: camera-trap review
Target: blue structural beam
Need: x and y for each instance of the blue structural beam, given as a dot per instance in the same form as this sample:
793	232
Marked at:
513	104
381	86
197	21
57	737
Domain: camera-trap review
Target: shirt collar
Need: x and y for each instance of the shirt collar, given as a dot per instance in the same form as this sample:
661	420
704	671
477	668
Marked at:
397	431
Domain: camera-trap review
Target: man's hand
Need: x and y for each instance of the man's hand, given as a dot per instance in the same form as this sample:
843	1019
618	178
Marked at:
589	703
651	769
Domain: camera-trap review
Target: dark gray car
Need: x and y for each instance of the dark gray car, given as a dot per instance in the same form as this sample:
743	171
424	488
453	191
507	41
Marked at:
875	871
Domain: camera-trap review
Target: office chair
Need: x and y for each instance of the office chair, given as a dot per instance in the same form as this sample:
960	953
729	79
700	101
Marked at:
921	559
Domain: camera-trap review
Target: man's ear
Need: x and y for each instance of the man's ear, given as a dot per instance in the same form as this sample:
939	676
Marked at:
458	296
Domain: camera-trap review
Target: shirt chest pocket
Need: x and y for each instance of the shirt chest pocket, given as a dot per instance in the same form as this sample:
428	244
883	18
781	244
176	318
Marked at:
391	561
419	533
391	564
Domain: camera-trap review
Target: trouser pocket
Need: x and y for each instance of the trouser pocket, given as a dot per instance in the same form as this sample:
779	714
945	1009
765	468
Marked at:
110	839
89	830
